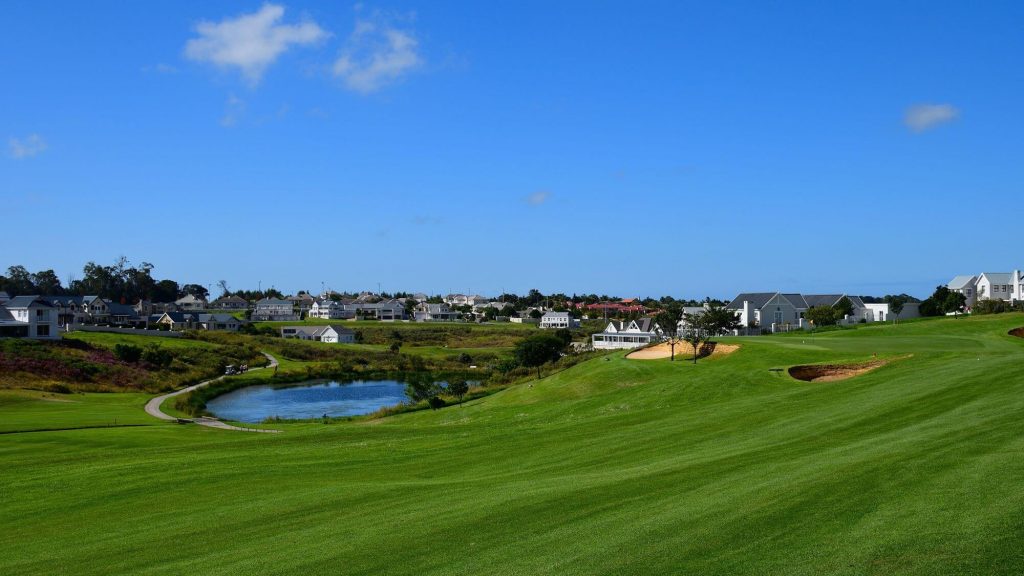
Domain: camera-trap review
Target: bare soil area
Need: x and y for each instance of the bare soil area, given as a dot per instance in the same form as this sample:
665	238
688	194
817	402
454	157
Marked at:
833	372
660	351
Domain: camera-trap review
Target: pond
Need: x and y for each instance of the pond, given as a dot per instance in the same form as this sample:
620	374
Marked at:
307	400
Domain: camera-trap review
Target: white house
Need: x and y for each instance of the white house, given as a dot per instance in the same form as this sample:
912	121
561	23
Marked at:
330	310
427	312
1006	286
558	320
627	334
190	303
781	312
881	311
28	317
274	309
328	334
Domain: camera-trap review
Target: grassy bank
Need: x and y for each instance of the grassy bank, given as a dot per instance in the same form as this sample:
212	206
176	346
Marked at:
613	466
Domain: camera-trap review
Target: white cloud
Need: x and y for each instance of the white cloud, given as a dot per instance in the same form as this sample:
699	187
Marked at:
538	198
376	54
921	117
250	42
26	147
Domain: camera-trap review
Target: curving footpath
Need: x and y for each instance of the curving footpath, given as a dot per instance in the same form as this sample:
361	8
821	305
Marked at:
153	406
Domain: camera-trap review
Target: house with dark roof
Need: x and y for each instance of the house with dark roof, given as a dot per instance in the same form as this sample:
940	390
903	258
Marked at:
191	303
28	317
230	303
627	334
197	321
782	312
558	320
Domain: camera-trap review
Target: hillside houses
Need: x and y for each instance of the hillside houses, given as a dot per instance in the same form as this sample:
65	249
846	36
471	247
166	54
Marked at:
1005	286
779	311
627	334
179	321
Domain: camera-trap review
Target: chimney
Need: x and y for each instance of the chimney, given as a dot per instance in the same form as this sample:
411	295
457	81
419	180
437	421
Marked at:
747	313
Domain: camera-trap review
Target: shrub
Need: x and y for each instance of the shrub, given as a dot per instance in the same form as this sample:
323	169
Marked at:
127	353
436	402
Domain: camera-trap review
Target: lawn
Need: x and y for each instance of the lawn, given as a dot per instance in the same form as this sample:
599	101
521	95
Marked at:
614	466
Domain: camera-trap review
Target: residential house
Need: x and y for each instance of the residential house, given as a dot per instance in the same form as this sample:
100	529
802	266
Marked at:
190	303
28	317
198	321
463	299
627	334
782	312
302	302
427	312
328	334
75	310
275	310
330	310
558	320
387	310
230	303
1006	286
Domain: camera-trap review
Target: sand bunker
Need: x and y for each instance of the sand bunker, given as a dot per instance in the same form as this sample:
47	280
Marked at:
1018	332
683	349
833	372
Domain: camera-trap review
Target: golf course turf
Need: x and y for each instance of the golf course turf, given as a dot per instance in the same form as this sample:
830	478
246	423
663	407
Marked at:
726	466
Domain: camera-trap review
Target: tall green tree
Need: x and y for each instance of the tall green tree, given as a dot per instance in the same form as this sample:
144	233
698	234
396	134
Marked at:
535	351
896	305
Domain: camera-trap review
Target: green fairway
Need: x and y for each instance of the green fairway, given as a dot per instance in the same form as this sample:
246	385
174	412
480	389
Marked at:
614	466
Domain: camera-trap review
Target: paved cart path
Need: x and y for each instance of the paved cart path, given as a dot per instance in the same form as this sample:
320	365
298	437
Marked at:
153	406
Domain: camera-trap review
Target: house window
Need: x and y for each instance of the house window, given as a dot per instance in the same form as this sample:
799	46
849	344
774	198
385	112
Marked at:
778	316
43	330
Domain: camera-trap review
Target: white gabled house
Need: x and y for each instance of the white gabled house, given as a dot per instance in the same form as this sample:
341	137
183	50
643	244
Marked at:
627	334
558	320
330	310
28	317
427	312
1005	286
274	309
328	334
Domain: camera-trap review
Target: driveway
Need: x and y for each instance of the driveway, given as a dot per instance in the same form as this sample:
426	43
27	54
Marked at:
153	406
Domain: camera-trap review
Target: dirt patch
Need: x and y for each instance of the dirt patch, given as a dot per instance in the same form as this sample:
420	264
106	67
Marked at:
683	349
1018	332
833	372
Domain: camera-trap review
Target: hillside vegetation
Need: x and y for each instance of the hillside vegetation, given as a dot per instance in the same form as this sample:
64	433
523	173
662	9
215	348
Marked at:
614	466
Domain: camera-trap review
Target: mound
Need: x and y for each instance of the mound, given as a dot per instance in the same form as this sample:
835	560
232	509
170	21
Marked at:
833	372
684	349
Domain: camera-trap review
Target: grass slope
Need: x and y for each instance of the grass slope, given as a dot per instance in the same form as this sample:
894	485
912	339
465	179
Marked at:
611	467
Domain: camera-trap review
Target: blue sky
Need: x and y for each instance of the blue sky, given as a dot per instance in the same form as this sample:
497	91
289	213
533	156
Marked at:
673	148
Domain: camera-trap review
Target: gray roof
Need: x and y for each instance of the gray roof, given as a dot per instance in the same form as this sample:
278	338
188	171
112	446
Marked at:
5	315
813	300
238	299
556	314
998	277
961	281
273	302
216	318
756	299
26	301
121	309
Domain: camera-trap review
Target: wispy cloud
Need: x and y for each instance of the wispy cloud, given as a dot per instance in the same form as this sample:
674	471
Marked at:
160	68
376	54
250	42
234	108
921	117
26	147
538	198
